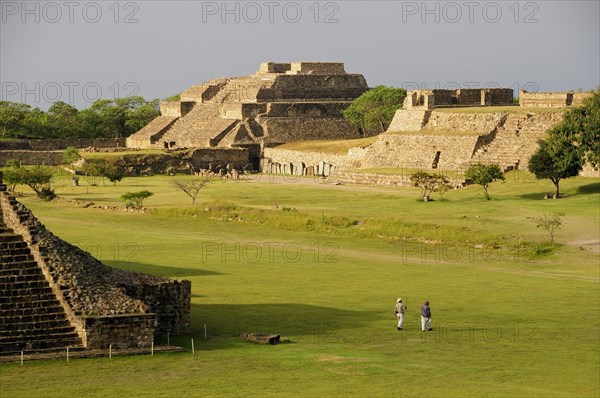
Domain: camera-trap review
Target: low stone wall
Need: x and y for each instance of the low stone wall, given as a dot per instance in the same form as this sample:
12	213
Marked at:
62	144
48	158
120	331
169	300
348	177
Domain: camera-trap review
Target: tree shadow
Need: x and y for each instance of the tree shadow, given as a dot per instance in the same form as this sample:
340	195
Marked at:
317	323
160	270
594	187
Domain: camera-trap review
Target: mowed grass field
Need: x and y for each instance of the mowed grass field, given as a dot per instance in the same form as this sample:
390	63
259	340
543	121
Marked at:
323	265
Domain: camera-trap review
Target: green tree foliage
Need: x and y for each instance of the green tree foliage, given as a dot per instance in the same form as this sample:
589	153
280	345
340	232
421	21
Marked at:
484	174
70	156
37	178
549	222
375	109
191	187
135	200
103	119
582	126
102	169
556	158
429	183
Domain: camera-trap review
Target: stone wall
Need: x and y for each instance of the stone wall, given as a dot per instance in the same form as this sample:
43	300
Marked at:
119	331
551	99
48	158
59	145
186	162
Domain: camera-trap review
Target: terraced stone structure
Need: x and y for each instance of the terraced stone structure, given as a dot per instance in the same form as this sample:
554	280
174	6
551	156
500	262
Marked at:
54	295
281	102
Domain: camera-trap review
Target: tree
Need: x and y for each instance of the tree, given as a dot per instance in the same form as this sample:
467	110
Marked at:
191	188
135	200
13	174
484	174
375	108
429	183
555	159
70	156
37	178
581	125
549	222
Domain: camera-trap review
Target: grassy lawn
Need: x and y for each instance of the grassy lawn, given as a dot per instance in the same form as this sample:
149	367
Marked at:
323	266
112	155
334	146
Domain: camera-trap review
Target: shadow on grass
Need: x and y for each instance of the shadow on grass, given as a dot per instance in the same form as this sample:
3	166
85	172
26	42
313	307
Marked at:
314	323
160	270
589	188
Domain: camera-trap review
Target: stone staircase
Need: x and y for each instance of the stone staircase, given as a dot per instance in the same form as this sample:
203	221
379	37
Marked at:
31	317
503	145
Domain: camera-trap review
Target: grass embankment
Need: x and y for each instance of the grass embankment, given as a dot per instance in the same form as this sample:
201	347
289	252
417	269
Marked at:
339	147
504	323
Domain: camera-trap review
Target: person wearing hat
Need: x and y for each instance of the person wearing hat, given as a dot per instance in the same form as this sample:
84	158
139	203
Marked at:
426	316
399	311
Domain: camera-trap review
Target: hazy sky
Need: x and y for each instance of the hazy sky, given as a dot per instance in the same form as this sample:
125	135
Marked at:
77	51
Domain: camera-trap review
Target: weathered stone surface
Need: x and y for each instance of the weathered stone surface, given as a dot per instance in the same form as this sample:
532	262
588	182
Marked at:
551	99
86	288
270	339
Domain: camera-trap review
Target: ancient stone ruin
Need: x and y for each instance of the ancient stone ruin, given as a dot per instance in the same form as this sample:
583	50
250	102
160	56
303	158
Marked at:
54	295
430	99
281	102
551	100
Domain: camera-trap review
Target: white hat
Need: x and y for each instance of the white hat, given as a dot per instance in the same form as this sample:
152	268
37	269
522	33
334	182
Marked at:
399	299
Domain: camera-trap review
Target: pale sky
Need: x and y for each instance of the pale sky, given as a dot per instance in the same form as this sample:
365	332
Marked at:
79	51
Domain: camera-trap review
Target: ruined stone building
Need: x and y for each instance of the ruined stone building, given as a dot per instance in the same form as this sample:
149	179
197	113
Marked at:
281	102
54	295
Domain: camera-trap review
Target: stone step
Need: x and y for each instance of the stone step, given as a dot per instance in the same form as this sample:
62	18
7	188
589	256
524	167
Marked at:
40	343
41	309
16	258
31	284
14	252
4	238
13	245
24	297
34	303
15	336
24	268
18	277
36	328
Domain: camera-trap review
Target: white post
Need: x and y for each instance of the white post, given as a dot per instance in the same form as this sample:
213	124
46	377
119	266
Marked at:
152	348
21	358
193	351
110	351
205	331
67	354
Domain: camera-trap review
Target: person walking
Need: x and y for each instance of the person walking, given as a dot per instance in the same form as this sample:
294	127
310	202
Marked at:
399	311
426	316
